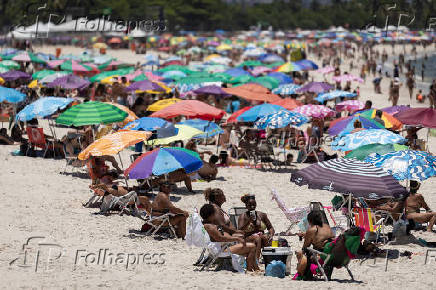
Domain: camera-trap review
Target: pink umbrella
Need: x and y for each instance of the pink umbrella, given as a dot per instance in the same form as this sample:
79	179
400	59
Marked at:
350	105
326	70
347	78
152	77
132	75
56	63
260	70
315	111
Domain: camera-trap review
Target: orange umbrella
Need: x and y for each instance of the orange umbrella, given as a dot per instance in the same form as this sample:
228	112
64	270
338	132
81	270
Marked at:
131	116
113	143
253	92
288	103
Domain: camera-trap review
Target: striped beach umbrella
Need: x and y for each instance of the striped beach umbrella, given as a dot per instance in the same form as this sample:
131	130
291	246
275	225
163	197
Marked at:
74	66
281	119
315	111
91	113
365	137
333	95
10	64
287	89
28	57
350	105
350	176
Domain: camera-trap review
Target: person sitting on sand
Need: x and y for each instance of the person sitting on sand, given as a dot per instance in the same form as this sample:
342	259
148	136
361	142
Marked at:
254	224
4	138
216	197
162	205
317	235
98	169
178	175
218	234
414	203
209	170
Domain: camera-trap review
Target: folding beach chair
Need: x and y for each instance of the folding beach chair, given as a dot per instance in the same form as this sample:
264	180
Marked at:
72	161
366	218
234	214
37	139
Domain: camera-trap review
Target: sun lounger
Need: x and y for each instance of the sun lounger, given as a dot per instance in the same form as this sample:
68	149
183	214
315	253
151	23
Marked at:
37	139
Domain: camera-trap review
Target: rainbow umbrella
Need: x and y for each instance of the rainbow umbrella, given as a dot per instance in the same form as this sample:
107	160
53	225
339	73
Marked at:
163	161
289	67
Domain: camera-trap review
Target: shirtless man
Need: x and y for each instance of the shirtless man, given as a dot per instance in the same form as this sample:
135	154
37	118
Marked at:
162	205
414	202
318	235
217	234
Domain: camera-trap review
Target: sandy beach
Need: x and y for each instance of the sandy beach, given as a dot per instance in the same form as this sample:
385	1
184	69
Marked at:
39	201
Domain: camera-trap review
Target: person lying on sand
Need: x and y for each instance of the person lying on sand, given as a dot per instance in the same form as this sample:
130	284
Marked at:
162	205
178	175
414	203
254	224
217	234
317	235
209	170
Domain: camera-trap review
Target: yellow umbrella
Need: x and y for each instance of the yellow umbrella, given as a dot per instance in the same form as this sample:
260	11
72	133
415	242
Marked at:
99	45
159	105
113	143
209	57
2	81
184	133
223	46
109	80
131	116
33	84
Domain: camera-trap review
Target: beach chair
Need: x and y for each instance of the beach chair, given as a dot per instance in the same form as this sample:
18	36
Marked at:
37	139
72	161
366	219
235	213
111	202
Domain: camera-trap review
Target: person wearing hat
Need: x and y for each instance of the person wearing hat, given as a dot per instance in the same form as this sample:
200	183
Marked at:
414	203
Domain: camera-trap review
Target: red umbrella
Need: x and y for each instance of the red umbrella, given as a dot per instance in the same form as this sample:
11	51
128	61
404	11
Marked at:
232	118
288	103
115	40
191	109
425	117
253	92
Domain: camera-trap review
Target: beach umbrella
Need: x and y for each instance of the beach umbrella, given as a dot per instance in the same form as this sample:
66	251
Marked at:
306	64
390	121
163	161
259	111
365	137
315	111
10	64
113	143
268	82
315	87
275	65
216	68
210	128
350	106
211	90
144	86
288	89
425	117
363	151
91	113
281	119
242	79
42	108
4	69
289	67
131	116
26	56
111	65
99	45
173	74
281	77
270	58
183	132
396	109
236	72
220	60
258	70
74	66
235	115
350	176
250	63
326	70
190	80
347	78
252	92
288	103
191	109
13	75
223	47
147	124
333	95
222	76
405	165
100	76
151	59
345	125
69	82
159	105
42	74
11	95
51	77
181	68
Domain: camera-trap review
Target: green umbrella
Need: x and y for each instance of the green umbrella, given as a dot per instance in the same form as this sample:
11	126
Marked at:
195	80
105	74
250	63
200	74
268	82
225	78
91	113
10	64
43	73
363	151
242	79
141	77
176	67
275	64
3	69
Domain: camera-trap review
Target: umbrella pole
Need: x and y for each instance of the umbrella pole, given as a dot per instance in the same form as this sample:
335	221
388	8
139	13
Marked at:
218	143
426	142
121	161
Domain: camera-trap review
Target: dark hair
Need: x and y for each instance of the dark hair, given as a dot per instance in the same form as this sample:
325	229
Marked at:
3	131
315	218
213	159
368	104
246	197
210	194
414	186
206	211
379	113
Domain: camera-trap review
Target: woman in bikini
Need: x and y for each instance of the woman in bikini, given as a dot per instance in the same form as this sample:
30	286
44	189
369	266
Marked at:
255	225
414	203
218	234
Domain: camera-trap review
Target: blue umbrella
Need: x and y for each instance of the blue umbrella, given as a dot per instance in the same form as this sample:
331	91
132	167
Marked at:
288	89
307	64
408	164
333	95
210	128
281	119
281	77
365	137
147	124
173	74
270	58
11	95
42	108
259	111
237	71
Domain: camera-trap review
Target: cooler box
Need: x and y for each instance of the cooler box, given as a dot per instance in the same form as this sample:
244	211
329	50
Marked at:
279	254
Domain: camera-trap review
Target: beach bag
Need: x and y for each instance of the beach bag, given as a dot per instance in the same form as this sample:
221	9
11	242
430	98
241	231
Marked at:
196	234
276	269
